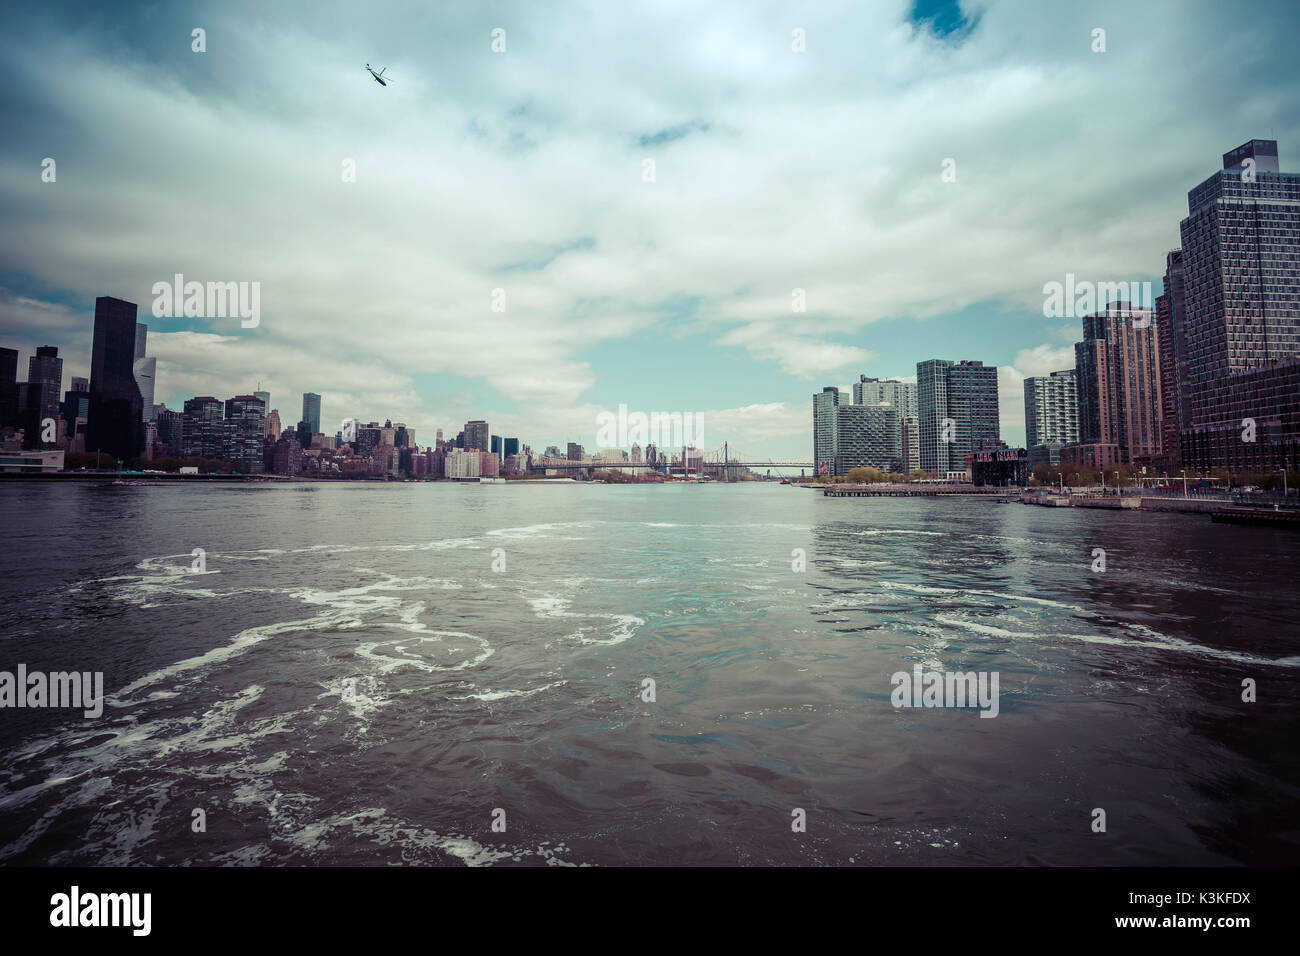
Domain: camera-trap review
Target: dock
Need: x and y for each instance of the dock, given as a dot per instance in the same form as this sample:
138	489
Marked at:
1267	517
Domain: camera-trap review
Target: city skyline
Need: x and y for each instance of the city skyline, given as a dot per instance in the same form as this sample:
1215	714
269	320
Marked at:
675	294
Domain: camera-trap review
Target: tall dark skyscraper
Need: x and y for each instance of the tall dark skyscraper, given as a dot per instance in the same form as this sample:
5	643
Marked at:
8	387
477	436
116	424
1240	320
311	412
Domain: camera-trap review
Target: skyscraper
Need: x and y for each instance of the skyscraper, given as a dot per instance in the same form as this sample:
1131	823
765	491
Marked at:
957	410
873	391
826	430
1172	344
145	371
311	411
202	428
116	422
1118	380
496	447
141	339
901	396
1240	322
44	381
242	434
8	387
170	429
867	436
1051	415
477	436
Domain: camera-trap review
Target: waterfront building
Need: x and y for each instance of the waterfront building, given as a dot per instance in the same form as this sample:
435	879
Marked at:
867	436
8	387
1118	382
41	395
911	444
993	463
1051	416
242	433
900	394
203	427
957	405
1051	409
1240	320
826	404
34	461
463	463
170	433
1175	404
116	415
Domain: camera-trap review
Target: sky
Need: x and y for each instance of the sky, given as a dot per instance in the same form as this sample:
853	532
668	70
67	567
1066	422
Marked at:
917	171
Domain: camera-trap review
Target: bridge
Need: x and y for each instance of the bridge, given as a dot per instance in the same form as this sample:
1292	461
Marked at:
720	463
915	490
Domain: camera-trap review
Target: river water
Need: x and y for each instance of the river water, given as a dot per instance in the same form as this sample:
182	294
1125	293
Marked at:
380	673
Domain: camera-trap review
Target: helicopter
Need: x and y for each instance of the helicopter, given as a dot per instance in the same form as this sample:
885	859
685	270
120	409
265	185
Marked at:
379	77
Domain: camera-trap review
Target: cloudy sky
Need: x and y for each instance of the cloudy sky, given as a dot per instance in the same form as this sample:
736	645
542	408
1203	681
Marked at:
526	171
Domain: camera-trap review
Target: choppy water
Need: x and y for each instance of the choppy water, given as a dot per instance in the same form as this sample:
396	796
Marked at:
521	689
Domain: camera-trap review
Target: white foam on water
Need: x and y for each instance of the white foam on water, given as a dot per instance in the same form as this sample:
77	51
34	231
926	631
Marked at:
505	694
1156	642
390	655
532	530
623	628
1000	595
375	825
885	532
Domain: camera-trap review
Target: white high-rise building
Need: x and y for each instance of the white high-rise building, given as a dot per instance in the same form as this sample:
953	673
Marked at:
1051	415
463	463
